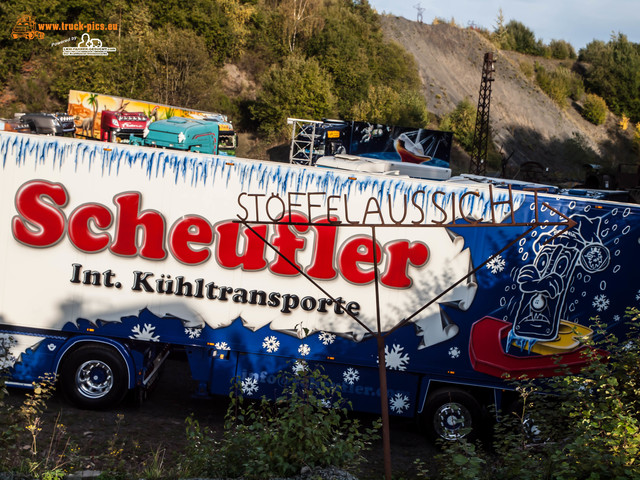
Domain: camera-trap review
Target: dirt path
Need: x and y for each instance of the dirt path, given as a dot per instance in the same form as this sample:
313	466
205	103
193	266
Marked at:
131	434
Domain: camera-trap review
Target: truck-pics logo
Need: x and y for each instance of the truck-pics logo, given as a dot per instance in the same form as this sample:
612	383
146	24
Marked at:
25	27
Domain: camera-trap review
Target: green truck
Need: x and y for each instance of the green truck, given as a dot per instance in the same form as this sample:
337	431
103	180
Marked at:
213	135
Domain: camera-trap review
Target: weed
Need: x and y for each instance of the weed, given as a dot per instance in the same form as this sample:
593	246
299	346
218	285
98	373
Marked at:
307	425
571	426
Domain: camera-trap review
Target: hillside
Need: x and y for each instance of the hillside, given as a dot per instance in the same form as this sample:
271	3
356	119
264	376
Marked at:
525	123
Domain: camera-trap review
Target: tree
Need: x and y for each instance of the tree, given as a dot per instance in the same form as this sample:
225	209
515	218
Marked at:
500	34
391	107
352	48
299	88
614	74
93	101
225	25
344	49
522	39
183	73
298	19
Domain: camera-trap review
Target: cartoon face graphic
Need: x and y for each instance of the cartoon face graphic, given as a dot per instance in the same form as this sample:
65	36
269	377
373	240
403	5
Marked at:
542	285
545	283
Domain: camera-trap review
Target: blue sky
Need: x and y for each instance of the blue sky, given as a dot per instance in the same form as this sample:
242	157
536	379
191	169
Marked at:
576	21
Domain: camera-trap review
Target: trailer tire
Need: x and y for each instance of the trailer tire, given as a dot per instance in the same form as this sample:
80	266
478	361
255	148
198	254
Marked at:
452	414
94	377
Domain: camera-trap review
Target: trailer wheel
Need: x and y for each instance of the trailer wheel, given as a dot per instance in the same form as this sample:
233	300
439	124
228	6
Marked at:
94	377
452	414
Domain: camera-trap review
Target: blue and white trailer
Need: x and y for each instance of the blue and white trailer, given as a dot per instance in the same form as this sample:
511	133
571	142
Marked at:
114	255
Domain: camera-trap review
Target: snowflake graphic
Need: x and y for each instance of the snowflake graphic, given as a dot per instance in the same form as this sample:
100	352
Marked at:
222	346
351	375
7	359
299	366
399	403
496	264
249	386
600	302
454	352
271	344
638	295
326	338
395	359
304	350
192	332
325	403
145	333
616	318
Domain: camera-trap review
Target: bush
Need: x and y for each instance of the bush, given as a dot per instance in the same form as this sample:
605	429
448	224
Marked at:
589	428
594	109
307	425
526	69
560	84
561	50
462	122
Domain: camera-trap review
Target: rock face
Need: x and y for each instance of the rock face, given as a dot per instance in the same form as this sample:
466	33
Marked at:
525	123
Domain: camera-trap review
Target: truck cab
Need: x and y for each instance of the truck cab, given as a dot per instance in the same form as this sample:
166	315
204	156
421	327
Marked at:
321	139
210	135
49	123
119	125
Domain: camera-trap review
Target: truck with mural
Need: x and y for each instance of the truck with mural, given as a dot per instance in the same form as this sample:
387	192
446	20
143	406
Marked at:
213	135
253	267
115	119
312	139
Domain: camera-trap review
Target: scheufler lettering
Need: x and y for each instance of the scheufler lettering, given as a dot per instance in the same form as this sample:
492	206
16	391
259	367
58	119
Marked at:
131	231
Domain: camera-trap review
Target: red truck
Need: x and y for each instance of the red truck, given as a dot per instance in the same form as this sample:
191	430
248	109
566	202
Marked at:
118	125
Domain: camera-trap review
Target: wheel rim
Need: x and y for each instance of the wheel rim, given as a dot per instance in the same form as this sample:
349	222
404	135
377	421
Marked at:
452	421
94	379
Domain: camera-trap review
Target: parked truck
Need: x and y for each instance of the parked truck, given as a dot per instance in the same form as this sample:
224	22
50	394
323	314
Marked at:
118	126
114	119
43	123
113	257
212	135
312	139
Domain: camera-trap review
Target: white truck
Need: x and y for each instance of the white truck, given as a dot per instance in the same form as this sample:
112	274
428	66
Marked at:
113	255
